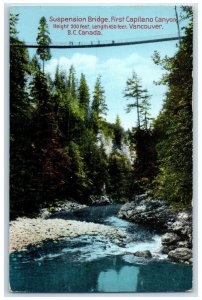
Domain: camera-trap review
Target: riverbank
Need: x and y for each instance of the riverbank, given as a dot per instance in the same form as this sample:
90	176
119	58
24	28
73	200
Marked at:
175	227
103	261
26	232
66	206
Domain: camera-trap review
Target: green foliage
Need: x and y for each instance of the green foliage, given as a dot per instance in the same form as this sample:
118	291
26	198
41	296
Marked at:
173	127
145	107
118	133
84	96
141	137
119	176
51	162
78	181
135	91
20	121
34	64
12	22
43	40
58	142
144	165
99	107
62	147
59	91
96	164
72	82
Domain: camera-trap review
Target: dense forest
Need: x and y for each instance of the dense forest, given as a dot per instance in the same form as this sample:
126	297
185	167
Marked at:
63	148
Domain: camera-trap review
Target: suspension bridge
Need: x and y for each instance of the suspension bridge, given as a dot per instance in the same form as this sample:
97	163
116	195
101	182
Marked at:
102	44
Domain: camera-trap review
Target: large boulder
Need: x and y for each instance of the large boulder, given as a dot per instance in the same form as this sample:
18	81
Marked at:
127	210
169	238
100	200
177	240
183	244
167	248
145	254
138	198
60	207
154	213
169	241
183	226
181	255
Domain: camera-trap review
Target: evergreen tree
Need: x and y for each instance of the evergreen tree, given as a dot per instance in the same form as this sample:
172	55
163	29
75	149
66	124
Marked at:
61	104
118	133
145	107
119	177
144	165
141	137
59	90
67	107
43	40
97	168
12	26
75	114
20	120
51	179
134	90
78	177
34	65
173	127
72	82
58	143
99	107
83	96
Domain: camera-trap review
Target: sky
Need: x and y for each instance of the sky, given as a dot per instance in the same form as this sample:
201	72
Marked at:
114	64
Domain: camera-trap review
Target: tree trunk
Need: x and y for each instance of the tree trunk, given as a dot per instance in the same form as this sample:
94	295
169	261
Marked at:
138	113
145	120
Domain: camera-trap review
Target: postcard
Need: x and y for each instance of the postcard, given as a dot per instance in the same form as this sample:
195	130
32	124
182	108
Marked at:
100	149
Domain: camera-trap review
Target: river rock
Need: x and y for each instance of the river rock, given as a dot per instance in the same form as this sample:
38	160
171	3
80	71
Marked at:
100	200
180	255
138	198
183	244
60	206
169	238
145	254
154	213
44	213
177	226
166	249
183	225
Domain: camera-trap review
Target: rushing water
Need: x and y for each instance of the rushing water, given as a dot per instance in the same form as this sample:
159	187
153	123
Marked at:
95	264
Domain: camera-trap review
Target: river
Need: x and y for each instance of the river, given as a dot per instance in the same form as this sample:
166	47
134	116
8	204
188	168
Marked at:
89	264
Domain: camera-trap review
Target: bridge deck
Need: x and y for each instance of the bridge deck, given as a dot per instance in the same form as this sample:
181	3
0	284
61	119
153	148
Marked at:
99	44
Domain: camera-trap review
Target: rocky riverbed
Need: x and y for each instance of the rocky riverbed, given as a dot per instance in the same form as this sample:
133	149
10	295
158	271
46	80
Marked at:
25	232
66	206
112	256
176	227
